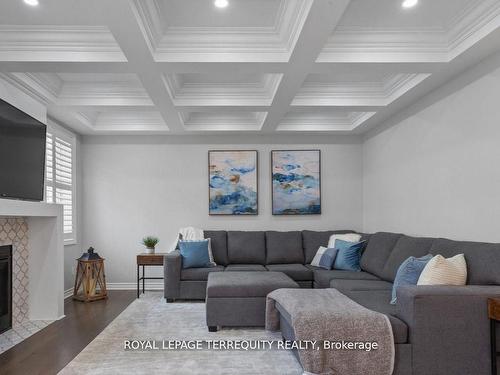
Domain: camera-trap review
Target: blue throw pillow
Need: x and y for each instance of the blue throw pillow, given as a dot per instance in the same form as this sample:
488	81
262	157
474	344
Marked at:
194	254
408	273
328	258
348	256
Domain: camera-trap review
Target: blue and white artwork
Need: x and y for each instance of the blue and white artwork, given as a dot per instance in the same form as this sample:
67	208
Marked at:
296	177
233	182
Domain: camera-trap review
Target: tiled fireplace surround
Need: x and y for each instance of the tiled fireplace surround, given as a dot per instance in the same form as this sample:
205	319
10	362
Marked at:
14	231
34	229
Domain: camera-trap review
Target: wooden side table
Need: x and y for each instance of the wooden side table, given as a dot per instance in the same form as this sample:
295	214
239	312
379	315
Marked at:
147	260
494	315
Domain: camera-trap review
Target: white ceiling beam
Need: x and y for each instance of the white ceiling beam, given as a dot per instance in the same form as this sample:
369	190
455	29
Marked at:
123	24
318	26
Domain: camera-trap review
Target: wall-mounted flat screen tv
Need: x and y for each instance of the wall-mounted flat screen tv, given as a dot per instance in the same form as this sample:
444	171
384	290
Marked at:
22	154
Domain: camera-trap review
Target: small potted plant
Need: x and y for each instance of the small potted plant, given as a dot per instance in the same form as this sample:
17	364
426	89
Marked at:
150	243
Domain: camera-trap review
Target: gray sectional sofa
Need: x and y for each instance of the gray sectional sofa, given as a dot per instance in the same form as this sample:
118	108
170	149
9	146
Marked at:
437	329
287	252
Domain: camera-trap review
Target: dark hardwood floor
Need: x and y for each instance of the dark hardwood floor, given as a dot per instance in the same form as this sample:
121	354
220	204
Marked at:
52	348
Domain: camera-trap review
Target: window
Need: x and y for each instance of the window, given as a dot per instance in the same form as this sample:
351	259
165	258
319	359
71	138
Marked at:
59	176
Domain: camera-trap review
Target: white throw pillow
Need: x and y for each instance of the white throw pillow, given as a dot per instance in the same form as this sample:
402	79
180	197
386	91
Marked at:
317	257
210	255
444	271
349	237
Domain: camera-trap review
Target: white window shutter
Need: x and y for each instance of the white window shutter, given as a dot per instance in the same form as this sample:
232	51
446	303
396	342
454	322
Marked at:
59	186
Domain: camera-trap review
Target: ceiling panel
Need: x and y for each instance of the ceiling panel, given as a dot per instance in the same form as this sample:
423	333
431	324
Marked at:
260	66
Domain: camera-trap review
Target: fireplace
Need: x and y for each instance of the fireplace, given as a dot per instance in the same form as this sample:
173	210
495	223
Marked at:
5	288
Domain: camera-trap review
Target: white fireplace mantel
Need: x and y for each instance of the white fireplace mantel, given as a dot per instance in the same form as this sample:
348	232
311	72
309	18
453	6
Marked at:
46	255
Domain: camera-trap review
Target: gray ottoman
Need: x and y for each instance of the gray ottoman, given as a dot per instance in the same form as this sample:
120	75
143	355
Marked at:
238	299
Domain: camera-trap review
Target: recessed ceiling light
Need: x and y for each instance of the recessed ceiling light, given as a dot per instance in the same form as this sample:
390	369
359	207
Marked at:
33	3
221	3
409	3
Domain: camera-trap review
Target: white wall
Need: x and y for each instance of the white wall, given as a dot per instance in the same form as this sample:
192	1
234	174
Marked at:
72	252
135	186
23	101
437	173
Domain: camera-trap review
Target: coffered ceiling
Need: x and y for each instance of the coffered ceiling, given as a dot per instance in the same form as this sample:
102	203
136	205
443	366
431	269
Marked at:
259	66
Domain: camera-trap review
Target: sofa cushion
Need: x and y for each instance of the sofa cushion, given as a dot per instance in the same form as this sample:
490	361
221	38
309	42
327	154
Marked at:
218	243
245	267
377	251
246	247
378	300
247	284
312	240
405	247
298	272
323	277
284	247
199	274
483	259
349	285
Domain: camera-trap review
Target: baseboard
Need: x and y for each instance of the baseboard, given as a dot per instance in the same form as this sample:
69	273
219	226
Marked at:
68	293
133	286
122	286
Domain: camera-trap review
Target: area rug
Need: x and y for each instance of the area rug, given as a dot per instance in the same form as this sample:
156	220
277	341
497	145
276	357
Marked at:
150	318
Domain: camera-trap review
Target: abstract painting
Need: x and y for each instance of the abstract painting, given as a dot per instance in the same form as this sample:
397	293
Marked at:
296	182
233	182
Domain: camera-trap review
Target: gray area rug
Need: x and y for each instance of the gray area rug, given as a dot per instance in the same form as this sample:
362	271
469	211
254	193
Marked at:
150	318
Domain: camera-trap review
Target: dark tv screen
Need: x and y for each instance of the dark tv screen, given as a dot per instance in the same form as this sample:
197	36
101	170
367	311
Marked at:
22	154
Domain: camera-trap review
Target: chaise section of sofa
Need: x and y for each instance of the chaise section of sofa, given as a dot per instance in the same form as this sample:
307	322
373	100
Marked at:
437	330
448	328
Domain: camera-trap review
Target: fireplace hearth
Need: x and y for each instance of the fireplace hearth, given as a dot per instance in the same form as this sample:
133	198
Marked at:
5	288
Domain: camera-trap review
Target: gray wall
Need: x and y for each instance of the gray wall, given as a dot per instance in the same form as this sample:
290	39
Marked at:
437	173
134	186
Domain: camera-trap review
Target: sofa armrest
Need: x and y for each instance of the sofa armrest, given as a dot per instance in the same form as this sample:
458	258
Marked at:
172	266
448	328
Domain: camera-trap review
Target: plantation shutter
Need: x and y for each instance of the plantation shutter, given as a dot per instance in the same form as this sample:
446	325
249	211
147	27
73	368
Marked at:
59	178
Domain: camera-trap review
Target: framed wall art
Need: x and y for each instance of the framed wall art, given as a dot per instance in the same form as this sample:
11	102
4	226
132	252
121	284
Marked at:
296	182
233	182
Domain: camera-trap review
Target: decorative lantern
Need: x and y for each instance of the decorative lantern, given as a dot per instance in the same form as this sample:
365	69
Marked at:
90	278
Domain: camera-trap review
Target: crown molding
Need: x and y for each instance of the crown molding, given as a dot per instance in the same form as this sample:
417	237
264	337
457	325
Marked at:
124	93
331	122
58	43
259	93
48	88
27	83
477	21
128	121
229	44
438	44
357	93
363	44
230	121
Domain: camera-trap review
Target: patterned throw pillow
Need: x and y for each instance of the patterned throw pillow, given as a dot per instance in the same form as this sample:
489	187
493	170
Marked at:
408	273
444	271
349	255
